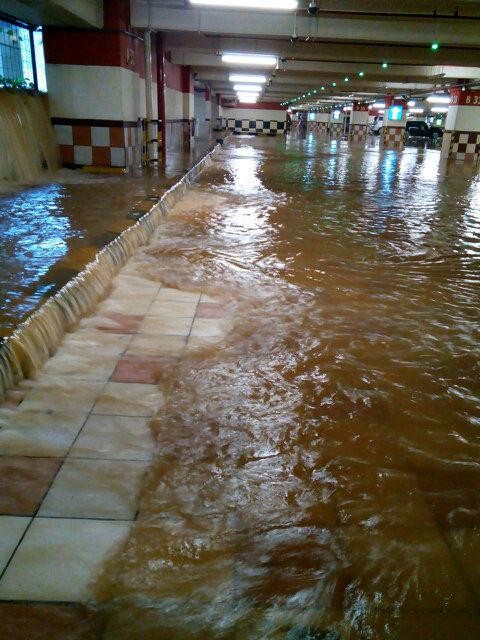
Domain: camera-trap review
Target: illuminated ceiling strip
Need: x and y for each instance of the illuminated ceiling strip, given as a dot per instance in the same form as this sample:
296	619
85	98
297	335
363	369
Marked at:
273	5
252	60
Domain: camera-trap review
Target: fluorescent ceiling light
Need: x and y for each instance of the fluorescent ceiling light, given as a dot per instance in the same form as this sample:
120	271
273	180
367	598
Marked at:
247	95
248	99
411	103
378	105
251	59
275	5
243	77
439	109
247	88
439	99
415	110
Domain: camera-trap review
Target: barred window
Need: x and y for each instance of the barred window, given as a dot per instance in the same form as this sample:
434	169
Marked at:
21	57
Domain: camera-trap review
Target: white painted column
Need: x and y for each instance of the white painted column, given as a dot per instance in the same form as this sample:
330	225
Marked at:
322	118
151	124
335	124
358	122
461	139
394	121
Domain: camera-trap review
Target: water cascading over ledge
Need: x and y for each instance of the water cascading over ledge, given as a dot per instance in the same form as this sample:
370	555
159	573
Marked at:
26	136
24	352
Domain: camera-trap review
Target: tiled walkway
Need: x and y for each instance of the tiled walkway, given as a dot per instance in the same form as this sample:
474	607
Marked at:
75	444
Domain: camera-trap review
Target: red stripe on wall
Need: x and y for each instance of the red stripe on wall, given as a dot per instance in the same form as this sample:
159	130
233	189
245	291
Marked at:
470	98
100	48
178	77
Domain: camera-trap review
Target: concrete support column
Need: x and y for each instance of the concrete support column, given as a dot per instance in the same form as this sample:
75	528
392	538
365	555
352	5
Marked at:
179	105
151	123
335	123
162	127
208	108
203	110
394	121
461	139
358	122
96	85
216	120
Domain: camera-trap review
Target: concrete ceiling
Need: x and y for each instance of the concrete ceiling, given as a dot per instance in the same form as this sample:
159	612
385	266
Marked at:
77	13
345	38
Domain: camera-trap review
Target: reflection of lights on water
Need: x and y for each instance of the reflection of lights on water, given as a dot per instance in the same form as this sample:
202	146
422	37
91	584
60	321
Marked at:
429	168
471	219
408	162
387	171
34	232
309	171
369	171
244	171
331	168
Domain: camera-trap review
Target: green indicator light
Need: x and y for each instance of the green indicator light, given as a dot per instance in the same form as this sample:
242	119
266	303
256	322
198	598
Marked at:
346	79
314	91
384	65
361	74
434	46
334	84
322	88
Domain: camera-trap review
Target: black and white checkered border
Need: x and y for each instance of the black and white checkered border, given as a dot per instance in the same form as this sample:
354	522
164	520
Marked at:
465	145
317	127
358	132
393	136
255	127
336	128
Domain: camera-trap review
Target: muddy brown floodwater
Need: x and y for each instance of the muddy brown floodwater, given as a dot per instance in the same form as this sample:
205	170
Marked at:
316	472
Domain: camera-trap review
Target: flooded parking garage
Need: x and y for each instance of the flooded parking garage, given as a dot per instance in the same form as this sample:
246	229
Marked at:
239	251
309	362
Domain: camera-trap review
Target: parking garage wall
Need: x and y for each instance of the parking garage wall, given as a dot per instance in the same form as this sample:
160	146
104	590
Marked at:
96	83
262	118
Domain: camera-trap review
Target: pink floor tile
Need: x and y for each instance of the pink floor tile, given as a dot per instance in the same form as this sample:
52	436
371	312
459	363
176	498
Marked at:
141	369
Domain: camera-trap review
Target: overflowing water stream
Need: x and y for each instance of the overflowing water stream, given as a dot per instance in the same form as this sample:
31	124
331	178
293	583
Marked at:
316	472
52	228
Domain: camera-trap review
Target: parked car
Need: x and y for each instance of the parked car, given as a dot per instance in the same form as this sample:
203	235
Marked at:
420	129
435	132
376	126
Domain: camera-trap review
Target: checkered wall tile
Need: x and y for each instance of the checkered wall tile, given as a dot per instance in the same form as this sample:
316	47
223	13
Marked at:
358	132
393	136
317	127
465	145
255	127
102	146
336	128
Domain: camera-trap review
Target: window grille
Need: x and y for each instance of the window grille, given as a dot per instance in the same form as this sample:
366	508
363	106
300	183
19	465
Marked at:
21	56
